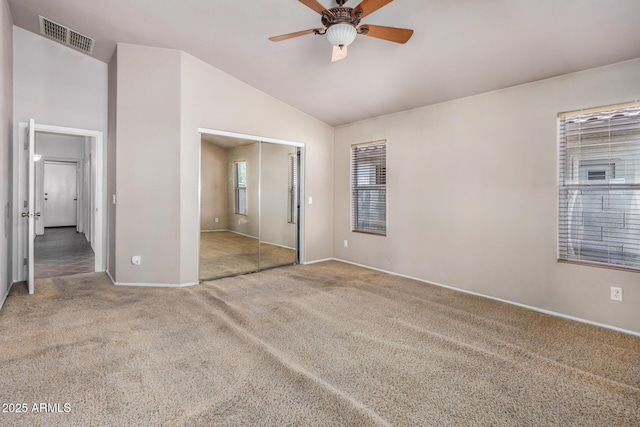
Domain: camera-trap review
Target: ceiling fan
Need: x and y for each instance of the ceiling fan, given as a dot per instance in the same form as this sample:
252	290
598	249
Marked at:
342	24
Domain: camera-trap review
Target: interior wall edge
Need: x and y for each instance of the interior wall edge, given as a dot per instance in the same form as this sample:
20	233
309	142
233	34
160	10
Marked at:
465	291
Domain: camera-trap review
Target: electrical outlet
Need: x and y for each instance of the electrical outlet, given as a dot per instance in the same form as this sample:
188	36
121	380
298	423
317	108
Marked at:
616	293
346	243
136	260
217	219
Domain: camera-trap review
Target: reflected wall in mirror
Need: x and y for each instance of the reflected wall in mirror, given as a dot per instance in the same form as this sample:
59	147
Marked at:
248	206
279	205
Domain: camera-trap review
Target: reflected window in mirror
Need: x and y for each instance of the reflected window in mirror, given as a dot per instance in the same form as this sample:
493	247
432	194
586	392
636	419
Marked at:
240	178
293	188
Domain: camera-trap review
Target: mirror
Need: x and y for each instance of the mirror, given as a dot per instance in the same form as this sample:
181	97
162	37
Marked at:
279	205
248	206
229	209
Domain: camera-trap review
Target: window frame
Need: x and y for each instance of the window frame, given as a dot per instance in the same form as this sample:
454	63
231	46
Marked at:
380	177
239	187
292	183
577	184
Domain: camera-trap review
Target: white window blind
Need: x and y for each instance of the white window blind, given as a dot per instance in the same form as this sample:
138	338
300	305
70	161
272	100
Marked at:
240	178
599	187
369	187
293	187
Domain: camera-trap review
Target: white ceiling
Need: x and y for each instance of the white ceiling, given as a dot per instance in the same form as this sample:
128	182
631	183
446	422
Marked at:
459	48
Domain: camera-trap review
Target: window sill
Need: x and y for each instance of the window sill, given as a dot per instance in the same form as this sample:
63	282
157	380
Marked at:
593	264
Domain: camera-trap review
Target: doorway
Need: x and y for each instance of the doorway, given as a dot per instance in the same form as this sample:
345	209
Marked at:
58	205
249	204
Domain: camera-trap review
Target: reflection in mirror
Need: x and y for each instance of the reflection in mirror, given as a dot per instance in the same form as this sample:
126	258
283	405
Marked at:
278	205
229	207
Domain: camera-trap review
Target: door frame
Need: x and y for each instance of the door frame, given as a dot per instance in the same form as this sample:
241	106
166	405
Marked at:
301	172
98	241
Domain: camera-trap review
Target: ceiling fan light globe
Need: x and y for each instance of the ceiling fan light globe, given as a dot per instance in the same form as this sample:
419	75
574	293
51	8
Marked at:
341	34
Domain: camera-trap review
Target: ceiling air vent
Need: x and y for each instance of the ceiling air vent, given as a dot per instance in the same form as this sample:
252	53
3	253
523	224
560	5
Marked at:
66	35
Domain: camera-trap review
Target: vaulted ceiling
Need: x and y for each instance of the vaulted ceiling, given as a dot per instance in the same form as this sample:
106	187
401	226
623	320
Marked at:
459	48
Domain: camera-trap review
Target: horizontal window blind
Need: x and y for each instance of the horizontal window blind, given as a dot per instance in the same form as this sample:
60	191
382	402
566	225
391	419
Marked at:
240	178
599	187
293	187
369	188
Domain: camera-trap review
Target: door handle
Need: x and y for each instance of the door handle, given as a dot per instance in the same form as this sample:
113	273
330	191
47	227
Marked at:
29	214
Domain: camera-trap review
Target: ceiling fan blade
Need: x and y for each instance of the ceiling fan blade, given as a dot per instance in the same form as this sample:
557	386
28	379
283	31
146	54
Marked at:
292	35
396	35
339	53
369	6
313	4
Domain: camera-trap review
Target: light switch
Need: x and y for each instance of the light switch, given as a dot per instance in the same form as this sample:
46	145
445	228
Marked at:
310	200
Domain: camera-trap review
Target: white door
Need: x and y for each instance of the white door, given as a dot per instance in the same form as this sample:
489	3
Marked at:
60	194
31	202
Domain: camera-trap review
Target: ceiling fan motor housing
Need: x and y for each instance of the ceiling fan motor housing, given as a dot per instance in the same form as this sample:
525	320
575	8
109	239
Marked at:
341	26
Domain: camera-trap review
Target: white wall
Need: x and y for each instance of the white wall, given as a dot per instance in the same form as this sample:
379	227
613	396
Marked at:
54	85
6	138
472	196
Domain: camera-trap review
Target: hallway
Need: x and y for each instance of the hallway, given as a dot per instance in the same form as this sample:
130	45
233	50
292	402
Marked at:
62	251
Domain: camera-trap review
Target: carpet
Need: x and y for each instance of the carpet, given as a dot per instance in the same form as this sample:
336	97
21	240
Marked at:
328	344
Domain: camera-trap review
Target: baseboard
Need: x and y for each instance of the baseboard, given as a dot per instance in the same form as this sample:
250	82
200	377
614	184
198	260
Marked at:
151	285
110	277
157	285
212	231
529	307
320	260
242	234
280	246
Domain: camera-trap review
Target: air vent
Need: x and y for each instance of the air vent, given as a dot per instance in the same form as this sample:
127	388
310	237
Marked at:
66	35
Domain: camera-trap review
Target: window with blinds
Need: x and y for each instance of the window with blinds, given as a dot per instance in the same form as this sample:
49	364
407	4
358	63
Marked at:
369	188
599	187
293	188
240	181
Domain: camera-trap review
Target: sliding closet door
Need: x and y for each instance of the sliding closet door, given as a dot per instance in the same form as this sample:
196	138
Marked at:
278	205
229	207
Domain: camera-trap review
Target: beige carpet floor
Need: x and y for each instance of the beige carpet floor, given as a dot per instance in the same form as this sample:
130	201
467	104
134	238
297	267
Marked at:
223	254
322	345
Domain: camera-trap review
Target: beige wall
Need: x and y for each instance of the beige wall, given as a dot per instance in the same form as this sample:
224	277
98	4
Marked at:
147	166
472	196
212	99
162	98
6	137
213	197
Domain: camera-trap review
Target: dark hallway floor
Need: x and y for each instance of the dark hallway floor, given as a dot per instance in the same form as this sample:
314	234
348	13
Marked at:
62	251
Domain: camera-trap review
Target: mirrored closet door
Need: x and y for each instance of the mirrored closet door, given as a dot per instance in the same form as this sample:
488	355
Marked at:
248	206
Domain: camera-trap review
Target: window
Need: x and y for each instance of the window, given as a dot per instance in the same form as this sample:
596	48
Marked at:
369	188
293	188
240	178
599	187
